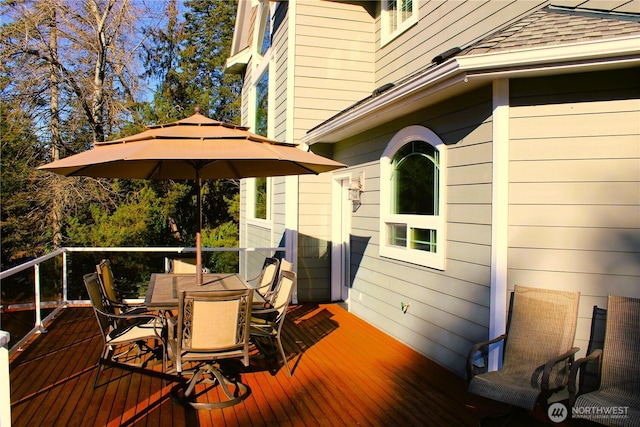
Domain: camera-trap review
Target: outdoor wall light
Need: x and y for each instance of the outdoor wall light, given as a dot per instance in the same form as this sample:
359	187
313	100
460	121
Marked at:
356	187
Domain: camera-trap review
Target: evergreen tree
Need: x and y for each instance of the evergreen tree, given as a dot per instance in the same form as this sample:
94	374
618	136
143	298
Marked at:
208	33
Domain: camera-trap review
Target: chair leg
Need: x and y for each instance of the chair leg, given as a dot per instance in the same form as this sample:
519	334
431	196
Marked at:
184	393
103	356
98	371
284	356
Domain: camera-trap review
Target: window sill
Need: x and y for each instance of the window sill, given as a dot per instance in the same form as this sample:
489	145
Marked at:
385	39
424	259
257	222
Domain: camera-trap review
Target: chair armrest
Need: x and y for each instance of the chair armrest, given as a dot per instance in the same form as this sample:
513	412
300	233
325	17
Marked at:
172	323
551	363
481	346
575	367
132	316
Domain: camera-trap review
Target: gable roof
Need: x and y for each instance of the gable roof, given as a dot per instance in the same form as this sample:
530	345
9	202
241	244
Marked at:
551	40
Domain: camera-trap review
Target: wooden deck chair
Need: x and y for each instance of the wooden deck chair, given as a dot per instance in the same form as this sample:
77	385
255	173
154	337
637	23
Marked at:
124	332
538	349
211	326
620	369
267	323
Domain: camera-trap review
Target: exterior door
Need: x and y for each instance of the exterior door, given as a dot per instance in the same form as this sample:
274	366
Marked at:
340	238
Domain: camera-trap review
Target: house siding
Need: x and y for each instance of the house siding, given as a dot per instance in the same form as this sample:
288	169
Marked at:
574	216
334	60
448	309
443	25
574	172
333	68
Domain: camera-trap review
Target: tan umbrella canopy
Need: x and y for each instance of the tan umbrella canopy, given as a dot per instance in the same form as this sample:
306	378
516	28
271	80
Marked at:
193	148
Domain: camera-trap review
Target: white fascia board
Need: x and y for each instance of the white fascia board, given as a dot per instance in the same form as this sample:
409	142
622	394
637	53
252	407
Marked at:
568	54
241	27
464	73
385	107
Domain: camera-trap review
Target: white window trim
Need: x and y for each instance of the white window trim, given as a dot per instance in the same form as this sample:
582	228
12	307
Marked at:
260	65
428	259
251	203
385	36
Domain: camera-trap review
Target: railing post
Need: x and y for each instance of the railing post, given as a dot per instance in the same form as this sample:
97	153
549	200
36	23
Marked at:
36	271
65	279
5	387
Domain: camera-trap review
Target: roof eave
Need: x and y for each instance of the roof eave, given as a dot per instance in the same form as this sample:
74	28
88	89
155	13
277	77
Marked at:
237	63
464	73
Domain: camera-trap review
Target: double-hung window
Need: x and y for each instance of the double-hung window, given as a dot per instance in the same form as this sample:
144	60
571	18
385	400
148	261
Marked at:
412	220
397	17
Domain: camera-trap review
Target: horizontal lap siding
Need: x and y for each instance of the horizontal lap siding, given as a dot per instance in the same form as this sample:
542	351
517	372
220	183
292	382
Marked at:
333	69
443	25
334	60
574	215
278	187
314	235
448	309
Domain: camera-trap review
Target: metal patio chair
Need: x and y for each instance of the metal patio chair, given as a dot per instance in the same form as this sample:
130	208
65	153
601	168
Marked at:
264	283
124	332
620	369
267	323
537	350
116	297
211	326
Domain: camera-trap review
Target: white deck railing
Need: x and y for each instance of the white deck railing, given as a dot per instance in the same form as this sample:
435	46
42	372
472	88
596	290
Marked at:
38	305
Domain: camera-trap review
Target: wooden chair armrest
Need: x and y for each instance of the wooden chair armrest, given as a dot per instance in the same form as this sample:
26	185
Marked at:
573	374
551	363
482	347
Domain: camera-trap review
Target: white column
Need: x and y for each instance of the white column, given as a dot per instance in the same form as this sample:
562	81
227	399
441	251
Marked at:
5	388
500	217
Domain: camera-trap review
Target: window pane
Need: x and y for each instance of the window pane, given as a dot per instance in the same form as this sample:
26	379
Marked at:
423	240
266	36
414	180
397	234
407	10
261	198
392	10
262	104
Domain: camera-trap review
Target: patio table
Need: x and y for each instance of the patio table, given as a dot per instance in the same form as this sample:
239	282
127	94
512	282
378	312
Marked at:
164	288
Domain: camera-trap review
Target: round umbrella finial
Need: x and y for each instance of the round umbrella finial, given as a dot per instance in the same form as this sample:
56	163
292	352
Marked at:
197	109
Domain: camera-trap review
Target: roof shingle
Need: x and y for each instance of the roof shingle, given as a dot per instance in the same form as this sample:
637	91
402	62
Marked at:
554	26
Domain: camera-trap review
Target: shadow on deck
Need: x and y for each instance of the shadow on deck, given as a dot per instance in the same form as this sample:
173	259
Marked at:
345	372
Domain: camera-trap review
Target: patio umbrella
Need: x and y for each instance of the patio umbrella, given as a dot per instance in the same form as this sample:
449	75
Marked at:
193	148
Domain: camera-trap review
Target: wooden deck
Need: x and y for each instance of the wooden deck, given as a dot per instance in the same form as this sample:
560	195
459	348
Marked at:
345	372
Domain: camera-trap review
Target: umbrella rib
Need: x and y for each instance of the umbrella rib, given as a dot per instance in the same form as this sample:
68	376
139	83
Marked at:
154	171
306	168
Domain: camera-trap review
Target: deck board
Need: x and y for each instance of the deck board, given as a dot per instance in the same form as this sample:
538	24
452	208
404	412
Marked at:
345	373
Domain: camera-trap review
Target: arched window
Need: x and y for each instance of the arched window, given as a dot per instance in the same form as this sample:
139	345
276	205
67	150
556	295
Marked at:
411	198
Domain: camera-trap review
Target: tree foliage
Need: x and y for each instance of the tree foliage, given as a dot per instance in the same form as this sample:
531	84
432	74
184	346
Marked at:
73	72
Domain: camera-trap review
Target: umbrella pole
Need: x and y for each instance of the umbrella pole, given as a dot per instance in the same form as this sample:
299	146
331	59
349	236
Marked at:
198	228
